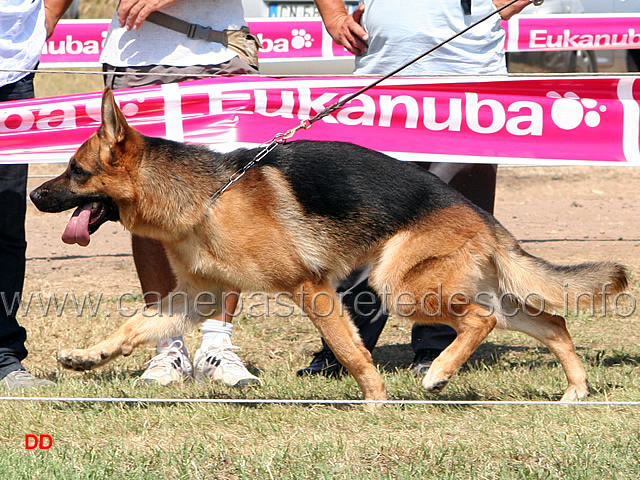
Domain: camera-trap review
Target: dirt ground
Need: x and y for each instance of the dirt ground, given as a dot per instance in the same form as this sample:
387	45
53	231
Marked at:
563	214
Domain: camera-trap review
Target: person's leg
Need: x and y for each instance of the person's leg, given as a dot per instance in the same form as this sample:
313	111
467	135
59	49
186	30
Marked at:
364	306
154	270
367	313
13	179
477	182
172	363
13	202
153	267
215	360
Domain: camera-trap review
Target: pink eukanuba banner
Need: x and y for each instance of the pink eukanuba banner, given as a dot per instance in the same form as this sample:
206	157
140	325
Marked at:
537	121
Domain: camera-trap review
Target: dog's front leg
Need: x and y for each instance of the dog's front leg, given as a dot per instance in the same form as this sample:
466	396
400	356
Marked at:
325	310
154	324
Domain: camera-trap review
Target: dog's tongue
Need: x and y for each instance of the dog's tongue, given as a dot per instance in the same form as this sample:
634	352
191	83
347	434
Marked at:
77	230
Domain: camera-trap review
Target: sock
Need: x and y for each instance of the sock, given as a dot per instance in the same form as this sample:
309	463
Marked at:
215	334
164	345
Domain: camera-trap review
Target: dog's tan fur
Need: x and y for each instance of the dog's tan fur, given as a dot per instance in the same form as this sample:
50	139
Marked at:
256	237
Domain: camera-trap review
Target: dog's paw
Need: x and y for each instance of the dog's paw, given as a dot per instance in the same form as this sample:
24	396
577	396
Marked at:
575	393
80	360
434	387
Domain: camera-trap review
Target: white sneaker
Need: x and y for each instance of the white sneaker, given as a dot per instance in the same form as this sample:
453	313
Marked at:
171	365
221	364
23	380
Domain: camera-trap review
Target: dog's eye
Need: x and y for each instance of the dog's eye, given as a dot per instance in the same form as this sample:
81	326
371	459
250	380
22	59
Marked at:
76	170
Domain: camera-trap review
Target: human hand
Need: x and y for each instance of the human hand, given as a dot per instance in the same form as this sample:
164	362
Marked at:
132	13
517	7
346	30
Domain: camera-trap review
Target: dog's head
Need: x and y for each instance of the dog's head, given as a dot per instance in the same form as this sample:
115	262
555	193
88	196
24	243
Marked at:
98	179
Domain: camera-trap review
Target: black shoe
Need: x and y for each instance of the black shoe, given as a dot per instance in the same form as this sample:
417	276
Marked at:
422	361
324	363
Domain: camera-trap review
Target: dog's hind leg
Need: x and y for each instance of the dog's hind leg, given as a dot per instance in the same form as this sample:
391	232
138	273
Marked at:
551	331
325	310
472	328
173	318
424	278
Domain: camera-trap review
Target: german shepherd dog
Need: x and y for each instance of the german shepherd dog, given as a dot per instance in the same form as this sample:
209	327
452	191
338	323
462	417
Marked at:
305	216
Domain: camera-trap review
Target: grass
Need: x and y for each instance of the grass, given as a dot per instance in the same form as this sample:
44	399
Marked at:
298	442
142	441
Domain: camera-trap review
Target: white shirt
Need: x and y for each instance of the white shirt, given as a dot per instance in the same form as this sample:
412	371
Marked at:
156	45
23	33
401	30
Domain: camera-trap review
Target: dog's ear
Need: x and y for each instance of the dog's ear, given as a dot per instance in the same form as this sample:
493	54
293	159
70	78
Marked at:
114	125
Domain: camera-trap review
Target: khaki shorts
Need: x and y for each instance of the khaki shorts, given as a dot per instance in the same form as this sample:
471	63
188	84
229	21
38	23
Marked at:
245	44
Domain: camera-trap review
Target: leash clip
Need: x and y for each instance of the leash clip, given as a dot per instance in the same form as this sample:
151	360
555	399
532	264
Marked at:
283	137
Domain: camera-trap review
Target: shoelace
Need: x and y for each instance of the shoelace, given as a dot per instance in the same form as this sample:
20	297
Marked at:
173	352
224	352
22	375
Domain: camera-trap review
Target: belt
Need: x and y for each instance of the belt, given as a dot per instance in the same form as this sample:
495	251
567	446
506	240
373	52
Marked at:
191	30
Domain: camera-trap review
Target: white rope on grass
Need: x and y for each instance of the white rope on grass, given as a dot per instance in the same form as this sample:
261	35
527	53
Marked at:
286	401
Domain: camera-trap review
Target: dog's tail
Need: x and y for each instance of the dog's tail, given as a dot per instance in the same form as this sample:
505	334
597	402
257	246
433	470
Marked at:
545	286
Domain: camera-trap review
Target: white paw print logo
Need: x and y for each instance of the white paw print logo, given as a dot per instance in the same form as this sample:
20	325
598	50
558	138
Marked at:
568	112
130	109
300	39
93	108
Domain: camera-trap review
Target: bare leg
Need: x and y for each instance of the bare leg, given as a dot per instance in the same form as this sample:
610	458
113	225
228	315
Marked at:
230	305
154	270
157	279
